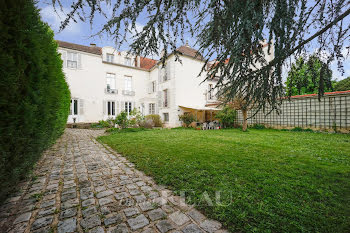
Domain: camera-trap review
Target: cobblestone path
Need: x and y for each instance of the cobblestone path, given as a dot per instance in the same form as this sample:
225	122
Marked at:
81	186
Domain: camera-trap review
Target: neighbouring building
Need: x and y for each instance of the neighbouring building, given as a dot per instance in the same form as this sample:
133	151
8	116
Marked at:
103	82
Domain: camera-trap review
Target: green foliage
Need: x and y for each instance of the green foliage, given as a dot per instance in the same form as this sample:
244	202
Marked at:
126	130
102	124
136	118
187	118
268	180
304	77
34	96
157	121
227	117
258	126
342	85
299	129
236	34
122	120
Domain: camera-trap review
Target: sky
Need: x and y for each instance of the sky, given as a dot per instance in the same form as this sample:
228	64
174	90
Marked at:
82	33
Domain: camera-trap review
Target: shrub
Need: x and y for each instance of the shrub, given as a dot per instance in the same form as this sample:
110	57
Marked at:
126	130
187	118
147	123
227	117
258	126
34	96
157	121
122	120
136	118
105	124
297	129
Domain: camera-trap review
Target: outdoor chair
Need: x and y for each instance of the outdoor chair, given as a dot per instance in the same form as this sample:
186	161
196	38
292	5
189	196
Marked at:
205	126
211	125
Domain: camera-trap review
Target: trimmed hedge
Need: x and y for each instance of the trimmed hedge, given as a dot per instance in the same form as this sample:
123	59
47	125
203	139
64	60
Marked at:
34	96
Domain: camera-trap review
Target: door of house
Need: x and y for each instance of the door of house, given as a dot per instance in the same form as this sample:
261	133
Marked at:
73	116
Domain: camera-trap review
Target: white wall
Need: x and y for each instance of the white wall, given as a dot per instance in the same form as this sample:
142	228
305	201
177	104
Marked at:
88	83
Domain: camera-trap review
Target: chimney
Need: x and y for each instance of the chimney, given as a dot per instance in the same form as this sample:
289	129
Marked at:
92	44
138	61
162	53
187	45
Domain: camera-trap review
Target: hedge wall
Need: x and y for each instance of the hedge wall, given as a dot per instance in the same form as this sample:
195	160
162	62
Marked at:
34	96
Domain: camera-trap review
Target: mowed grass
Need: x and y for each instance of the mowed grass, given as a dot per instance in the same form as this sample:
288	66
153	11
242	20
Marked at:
270	180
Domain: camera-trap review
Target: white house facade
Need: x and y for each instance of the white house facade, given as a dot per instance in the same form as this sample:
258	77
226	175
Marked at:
103	82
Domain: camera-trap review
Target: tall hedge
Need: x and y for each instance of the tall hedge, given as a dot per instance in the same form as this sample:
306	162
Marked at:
34	96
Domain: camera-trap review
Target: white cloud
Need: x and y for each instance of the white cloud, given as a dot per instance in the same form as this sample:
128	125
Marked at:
54	19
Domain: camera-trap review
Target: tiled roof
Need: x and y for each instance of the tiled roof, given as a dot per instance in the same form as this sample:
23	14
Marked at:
186	50
83	48
147	63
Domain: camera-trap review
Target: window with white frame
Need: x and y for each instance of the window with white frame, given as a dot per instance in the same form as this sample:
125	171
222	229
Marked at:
111	108
128	107
127	83
110	57
110	81
127	61
165	98
166	117
72	60
152	108
73	107
153	87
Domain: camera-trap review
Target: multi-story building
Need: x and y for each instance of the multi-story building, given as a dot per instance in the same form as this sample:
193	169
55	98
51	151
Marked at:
103	82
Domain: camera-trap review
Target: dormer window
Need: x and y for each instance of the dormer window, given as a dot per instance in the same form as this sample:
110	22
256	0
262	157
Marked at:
110	57
127	61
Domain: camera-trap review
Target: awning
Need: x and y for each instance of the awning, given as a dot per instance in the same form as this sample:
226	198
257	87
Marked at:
199	108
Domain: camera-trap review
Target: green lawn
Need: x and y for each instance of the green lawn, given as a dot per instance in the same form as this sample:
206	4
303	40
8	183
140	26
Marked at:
271	181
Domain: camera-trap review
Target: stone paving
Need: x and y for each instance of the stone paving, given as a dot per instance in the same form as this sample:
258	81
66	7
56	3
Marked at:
80	185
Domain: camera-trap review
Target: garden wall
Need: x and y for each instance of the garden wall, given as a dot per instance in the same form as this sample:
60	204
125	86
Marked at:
332	112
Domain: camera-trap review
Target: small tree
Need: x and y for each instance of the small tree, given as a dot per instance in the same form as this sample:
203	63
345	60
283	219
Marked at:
342	85
122	120
305	77
136	117
187	118
240	103
227	116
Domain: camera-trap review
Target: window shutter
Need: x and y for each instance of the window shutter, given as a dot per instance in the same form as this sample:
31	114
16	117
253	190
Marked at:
160	99
133	105
81	107
167	70
150	88
117	107
160	74
122	107
168	97
79	61
104	108
64	58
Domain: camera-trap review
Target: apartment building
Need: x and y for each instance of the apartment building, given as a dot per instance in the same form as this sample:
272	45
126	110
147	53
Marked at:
103	82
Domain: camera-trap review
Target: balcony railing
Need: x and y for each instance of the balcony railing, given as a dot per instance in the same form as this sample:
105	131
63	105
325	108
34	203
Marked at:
127	92
111	91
